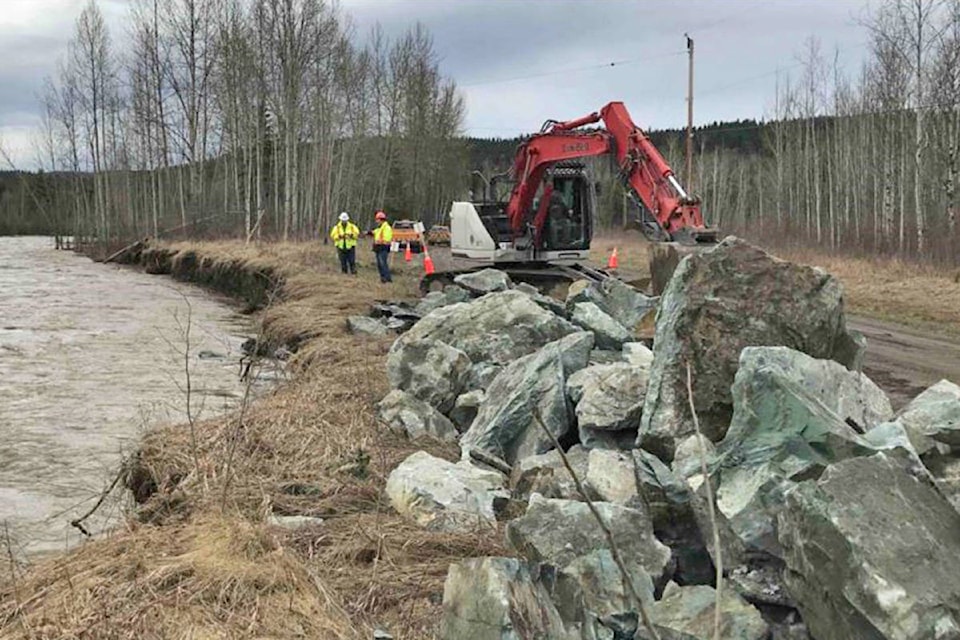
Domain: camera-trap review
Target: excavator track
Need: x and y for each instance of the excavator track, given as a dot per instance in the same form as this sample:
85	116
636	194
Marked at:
543	275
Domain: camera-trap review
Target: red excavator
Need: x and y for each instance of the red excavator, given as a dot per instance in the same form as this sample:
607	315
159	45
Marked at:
542	233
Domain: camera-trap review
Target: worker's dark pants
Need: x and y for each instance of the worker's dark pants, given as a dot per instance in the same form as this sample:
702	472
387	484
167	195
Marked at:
348	259
383	262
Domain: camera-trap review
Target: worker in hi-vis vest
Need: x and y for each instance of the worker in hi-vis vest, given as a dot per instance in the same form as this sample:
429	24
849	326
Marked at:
344	235
382	238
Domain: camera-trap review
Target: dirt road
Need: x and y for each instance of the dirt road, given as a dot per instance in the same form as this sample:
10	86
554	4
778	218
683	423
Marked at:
905	361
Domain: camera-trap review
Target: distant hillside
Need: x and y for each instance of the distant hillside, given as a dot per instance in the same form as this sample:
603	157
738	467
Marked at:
742	136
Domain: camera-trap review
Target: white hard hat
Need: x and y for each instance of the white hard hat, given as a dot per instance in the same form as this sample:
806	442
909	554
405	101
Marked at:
344	216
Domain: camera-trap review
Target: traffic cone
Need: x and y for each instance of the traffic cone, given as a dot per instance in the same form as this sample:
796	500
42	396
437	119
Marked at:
613	262
408	254
427	263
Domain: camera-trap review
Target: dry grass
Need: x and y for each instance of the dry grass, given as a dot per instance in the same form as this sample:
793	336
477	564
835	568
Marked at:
199	561
924	297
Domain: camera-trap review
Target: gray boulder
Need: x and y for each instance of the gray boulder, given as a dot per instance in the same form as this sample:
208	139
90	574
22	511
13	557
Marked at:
496	328
609	333
557	532
873	552
687	613
446	496
793	416
408	414
932	419
451	294
671	506
718	302
637	354
612	477
626	305
639	479
481	375
591	587
429	302
362	325
527	391
465	409
689	455
484	281
609	396
430	370
547	302
604	356
496	599
546	474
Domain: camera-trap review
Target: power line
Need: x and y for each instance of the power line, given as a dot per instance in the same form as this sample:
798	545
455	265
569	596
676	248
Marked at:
605	65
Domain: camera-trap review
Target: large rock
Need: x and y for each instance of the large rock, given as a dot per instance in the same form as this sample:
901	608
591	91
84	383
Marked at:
591	587
612	477
451	294
617	299
484	281
637	354
405	413
547	302
932	419
444	496
873	552
430	370
609	333
546	474
718	302
574	559
496	599
557	532
496	328
670	504
793	415
466	407
609	397
687	613
481	375
527	393
362	325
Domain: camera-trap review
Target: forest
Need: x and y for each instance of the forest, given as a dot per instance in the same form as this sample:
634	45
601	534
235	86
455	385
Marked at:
268	117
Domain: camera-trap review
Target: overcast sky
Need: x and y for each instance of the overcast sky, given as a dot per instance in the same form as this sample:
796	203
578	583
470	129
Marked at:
520	62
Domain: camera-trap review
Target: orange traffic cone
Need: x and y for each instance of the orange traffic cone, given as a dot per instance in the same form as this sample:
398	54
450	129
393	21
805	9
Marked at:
427	263
408	254
613	262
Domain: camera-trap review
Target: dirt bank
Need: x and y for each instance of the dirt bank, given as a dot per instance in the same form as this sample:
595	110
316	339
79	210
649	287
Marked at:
198	558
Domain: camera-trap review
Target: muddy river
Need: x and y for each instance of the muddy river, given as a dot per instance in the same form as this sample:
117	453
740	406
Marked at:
90	355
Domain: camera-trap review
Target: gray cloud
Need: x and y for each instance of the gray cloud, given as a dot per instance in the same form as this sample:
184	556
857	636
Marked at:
563	44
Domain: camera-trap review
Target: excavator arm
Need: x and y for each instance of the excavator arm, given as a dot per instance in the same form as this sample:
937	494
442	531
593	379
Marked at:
646	174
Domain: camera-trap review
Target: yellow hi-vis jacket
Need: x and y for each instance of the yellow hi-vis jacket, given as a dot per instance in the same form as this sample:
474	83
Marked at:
383	234
345	235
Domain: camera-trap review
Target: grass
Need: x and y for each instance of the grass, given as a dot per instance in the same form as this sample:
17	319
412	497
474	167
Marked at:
199	559
919	296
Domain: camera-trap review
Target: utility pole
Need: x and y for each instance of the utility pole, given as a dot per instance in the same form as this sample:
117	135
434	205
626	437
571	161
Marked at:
689	173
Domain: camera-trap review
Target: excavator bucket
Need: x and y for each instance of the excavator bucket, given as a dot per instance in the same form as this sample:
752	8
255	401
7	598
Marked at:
664	260
696	236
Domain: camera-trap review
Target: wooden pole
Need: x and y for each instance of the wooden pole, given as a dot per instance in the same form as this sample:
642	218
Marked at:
689	172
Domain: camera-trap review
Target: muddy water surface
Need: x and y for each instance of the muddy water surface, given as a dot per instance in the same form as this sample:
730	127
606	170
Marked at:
90	355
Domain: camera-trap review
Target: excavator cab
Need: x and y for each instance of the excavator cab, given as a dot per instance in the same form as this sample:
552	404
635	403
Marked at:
569	215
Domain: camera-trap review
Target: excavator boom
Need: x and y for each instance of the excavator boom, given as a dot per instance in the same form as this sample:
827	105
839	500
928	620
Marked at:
673	214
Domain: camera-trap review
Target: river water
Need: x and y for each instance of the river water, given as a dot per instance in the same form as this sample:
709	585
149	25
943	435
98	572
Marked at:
90	355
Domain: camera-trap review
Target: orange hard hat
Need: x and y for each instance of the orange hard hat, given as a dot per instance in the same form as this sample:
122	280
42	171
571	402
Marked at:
380	215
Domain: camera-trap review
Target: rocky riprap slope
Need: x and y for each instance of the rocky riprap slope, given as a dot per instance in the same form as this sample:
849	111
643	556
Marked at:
836	518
